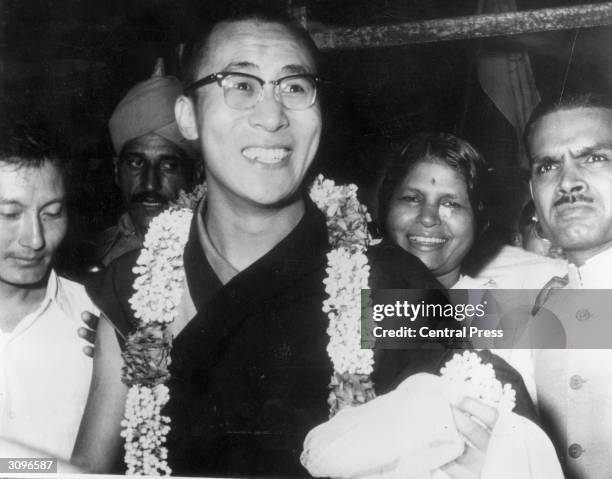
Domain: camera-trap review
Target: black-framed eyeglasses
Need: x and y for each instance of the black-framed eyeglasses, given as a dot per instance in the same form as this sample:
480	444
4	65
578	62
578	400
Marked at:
243	91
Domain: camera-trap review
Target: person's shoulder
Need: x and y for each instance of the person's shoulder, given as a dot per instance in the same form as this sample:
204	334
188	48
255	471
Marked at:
513	267
478	282
510	255
385	251
73	297
392	267
124	263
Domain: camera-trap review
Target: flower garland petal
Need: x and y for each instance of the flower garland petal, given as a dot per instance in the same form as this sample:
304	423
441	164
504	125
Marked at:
158	291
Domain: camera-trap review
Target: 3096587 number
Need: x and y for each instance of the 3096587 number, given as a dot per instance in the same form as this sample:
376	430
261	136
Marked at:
28	465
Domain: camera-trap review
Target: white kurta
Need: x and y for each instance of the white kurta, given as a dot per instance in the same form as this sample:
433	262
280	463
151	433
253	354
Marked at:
575	385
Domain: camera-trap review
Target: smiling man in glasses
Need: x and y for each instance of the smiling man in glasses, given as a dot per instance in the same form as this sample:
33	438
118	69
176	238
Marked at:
250	370
249	365
256	115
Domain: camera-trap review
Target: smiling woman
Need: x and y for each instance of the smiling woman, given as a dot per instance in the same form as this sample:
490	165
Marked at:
431	201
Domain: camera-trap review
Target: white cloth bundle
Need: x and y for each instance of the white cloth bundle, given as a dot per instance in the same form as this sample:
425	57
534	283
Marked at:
410	433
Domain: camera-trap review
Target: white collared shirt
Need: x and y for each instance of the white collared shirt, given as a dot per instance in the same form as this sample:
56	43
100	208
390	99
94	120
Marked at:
514	268
595	273
44	374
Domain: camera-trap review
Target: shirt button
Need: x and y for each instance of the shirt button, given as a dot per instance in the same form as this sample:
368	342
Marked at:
583	314
576	381
575	451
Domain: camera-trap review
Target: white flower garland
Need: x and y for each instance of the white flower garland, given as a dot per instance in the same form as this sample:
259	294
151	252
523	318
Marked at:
467	376
158	291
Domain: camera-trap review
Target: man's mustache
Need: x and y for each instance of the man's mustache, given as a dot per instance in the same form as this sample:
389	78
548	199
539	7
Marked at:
149	197
573	199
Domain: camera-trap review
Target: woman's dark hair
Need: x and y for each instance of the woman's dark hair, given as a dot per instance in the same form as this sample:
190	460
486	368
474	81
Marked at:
450	150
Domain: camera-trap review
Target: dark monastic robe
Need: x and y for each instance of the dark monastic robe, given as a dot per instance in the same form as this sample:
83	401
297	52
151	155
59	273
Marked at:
250	372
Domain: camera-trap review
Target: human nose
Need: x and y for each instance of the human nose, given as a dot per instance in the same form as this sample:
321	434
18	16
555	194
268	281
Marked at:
150	178
571	181
429	215
269	113
32	232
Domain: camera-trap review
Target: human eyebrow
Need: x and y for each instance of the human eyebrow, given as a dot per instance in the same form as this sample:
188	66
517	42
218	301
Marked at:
450	196
54	201
9	202
295	69
128	153
241	65
541	160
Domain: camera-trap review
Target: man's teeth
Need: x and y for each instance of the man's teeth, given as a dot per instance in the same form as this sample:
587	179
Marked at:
427	239
265	155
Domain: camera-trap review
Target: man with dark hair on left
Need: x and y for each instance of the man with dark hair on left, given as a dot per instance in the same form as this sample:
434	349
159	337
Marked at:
44	375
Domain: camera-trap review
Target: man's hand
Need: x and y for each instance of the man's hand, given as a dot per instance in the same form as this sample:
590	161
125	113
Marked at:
475	421
88	332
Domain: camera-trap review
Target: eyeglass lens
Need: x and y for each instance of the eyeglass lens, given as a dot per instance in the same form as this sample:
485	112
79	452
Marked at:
294	92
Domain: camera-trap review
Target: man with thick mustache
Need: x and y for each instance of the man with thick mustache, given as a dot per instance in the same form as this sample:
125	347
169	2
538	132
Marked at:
154	161
570	147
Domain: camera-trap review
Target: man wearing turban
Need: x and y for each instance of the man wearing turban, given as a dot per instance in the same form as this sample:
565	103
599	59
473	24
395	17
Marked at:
153	163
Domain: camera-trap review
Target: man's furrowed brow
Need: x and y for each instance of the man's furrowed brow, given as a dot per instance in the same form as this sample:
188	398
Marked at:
589	150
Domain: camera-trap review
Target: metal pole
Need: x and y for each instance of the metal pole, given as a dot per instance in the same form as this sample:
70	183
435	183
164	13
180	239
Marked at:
462	28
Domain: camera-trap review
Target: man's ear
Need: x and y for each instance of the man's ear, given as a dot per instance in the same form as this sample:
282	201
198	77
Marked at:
184	111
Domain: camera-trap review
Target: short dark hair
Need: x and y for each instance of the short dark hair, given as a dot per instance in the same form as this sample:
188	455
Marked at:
31	146
569	102
441	147
262	13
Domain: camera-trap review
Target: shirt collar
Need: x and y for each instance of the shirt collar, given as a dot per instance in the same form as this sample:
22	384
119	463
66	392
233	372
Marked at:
126	225
593	274
52	294
221	266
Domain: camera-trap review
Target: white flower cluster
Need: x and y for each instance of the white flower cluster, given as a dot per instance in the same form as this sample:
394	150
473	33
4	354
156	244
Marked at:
347	219
347	274
145	431
467	376
190	200
160	269
158	291
327	196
